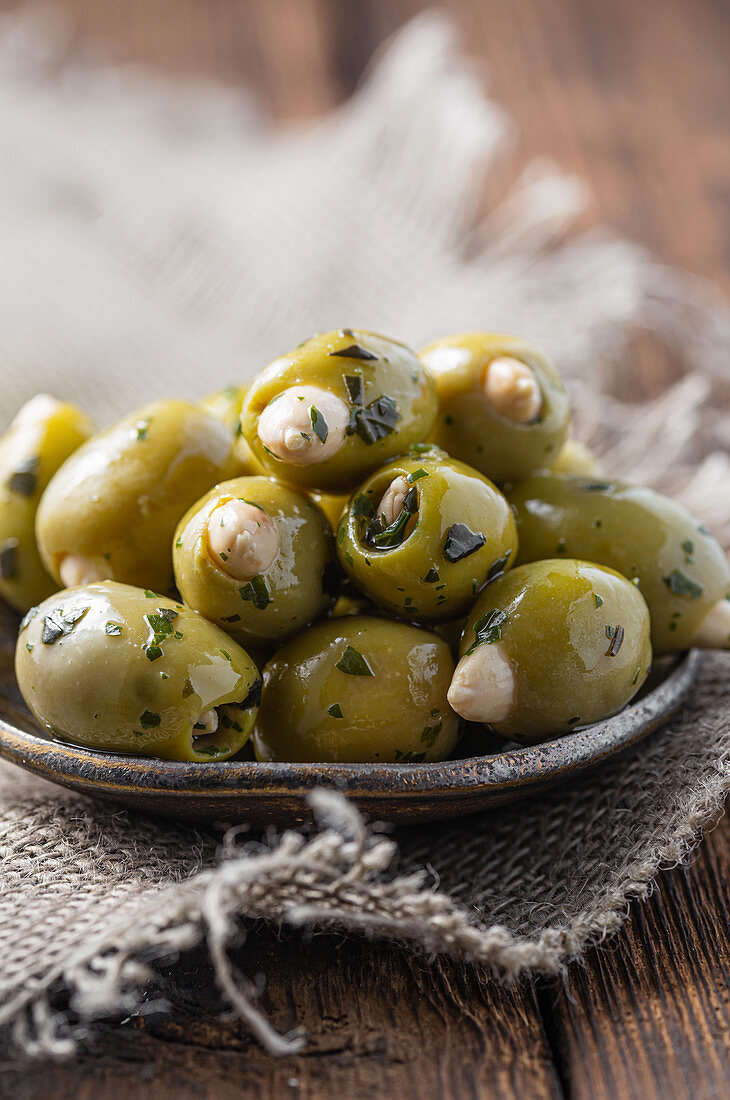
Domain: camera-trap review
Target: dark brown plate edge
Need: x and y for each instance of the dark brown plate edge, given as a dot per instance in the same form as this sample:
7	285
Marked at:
129	777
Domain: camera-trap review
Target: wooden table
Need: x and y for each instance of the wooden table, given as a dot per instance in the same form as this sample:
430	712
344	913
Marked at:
631	94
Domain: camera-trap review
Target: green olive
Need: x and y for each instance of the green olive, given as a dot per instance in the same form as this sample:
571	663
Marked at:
576	460
424	534
335	408
502	406
225	405
680	567
356	690
549	647
111	510
112	667
257	558
39	440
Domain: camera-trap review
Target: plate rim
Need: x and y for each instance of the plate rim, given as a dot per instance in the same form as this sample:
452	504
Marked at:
98	772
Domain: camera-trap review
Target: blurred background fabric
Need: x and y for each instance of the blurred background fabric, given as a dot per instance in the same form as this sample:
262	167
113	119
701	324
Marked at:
162	238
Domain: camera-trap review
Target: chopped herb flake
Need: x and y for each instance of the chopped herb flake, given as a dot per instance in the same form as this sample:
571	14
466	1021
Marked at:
461	541
352	663
429	737
423	448
496	569
374	421
113	629
226	655
353	351
362	505
599	487
431	577
148	719
488	629
142	427
9	559
60	622
253	698
231	619
335	710
24	480
355	389
598	600
319	424
682	585
417	475
256	592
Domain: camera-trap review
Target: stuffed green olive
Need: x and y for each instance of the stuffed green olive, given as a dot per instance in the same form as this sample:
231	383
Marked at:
40	439
549	647
502	406
336	407
257	558
116	668
680	567
111	510
424	534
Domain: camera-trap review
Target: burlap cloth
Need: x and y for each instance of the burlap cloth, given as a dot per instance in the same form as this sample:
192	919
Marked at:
163	240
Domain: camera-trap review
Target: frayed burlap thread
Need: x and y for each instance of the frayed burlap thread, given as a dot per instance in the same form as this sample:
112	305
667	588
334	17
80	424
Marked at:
520	890
158	248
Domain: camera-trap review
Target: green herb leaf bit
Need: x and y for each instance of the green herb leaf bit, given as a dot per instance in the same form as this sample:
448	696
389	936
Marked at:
461	541
488	629
682	585
256	592
353	351
9	559
24	480
374	421
352	663
60	622
319	424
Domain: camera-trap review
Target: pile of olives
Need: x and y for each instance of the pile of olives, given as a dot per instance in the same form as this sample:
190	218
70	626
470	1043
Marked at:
348	559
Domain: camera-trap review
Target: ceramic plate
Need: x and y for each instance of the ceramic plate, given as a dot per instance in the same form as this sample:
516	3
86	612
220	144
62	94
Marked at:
487	774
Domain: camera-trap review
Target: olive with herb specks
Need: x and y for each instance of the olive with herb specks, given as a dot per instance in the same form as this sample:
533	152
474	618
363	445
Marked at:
39	440
257	558
551	646
111	510
502	406
680	567
355	690
116	668
424	534
335	408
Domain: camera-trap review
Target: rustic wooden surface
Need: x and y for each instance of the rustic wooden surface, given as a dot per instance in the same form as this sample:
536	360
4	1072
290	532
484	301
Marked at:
633	96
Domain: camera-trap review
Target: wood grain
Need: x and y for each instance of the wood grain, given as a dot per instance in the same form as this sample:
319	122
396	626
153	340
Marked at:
648	1016
379	1023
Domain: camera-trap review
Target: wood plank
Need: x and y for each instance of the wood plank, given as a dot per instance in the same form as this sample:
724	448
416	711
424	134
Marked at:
379	1023
648	1016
